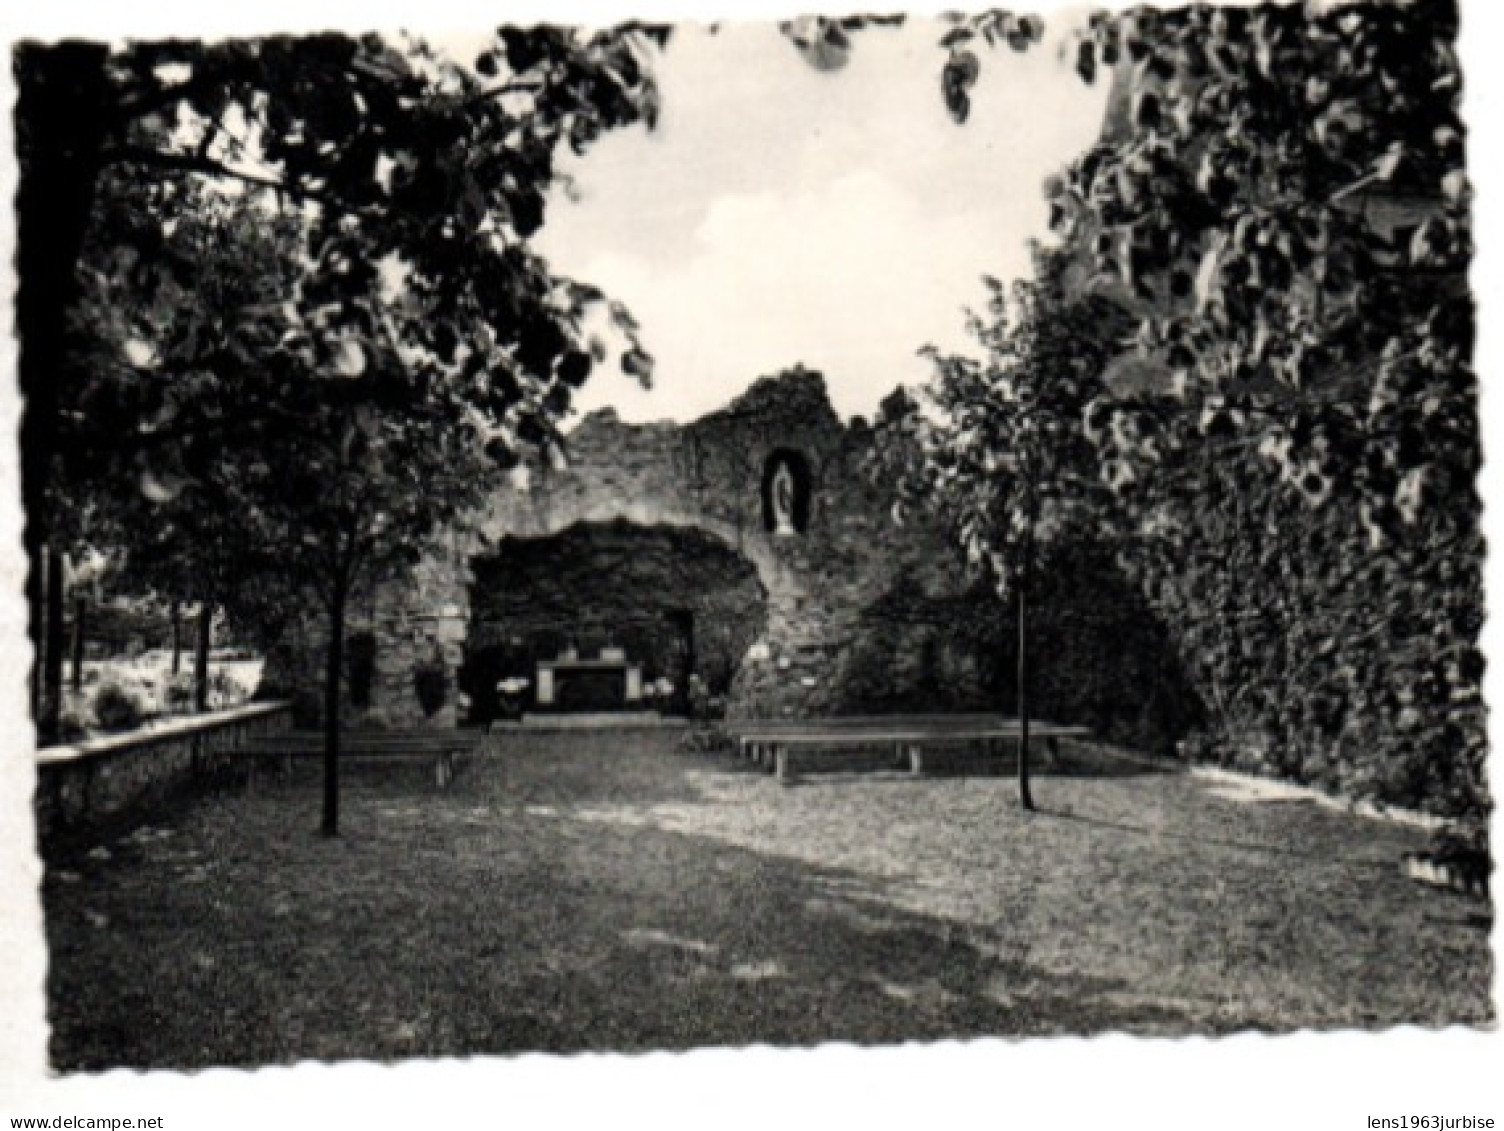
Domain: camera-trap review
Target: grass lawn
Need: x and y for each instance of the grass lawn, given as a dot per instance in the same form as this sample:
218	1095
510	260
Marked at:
606	891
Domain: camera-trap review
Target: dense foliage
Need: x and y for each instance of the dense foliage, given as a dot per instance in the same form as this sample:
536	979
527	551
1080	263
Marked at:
1287	417
1280	199
1320	659
286	311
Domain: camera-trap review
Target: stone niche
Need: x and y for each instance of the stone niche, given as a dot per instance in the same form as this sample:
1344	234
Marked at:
668	600
646	533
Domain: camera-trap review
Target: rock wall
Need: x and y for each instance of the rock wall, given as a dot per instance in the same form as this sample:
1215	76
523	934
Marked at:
418	623
842	612
828	645
858	614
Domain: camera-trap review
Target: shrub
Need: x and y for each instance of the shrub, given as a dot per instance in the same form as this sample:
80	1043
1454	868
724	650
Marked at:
180	694
117	709
307	710
360	668
225	690
377	718
72	725
431	682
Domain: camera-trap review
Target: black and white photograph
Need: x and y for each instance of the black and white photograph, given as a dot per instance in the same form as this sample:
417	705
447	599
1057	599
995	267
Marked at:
620	534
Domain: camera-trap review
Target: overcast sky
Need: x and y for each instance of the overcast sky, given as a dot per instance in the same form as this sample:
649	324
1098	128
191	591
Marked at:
781	214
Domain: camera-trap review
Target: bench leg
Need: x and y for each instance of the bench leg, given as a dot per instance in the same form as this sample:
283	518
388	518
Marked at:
781	765
1052	751
443	771
916	759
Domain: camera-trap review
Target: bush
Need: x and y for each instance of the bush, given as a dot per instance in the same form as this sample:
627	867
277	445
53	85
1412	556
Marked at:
72	725
431	682
180	694
117	709
376	718
1319	654
307	710
360	668
225	691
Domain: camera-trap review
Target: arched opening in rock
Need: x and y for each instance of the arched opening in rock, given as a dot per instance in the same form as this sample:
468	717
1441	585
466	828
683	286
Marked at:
607	617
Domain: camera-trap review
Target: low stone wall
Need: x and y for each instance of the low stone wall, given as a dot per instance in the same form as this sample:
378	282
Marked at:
93	780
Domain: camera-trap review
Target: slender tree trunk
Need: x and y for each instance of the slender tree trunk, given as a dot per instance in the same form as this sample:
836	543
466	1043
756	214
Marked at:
52	655
1025	580
175	614
201	656
333	670
61	118
1025	798
80	611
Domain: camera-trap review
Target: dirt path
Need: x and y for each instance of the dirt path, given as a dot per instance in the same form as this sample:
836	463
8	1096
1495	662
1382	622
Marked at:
609	892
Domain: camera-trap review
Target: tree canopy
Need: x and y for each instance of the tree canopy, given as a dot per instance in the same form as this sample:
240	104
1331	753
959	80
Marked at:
1280	196
403	166
303	313
999	441
1278	214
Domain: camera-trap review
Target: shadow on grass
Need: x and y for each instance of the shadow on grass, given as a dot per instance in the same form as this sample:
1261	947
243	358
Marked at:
535	906
426	935
1083	762
1161	833
807	963
1073	761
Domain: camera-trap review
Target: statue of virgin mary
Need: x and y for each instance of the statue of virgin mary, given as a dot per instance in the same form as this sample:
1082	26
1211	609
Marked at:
783	500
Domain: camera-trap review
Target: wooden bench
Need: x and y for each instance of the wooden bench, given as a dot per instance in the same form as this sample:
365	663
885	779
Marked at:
444	750
771	743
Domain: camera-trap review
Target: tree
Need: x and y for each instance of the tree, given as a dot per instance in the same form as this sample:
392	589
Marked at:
1002	441
268	464
160	360
1280	197
329	312
825	43
1278	203
407	163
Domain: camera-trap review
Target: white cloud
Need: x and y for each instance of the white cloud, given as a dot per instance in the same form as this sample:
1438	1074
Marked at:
784	216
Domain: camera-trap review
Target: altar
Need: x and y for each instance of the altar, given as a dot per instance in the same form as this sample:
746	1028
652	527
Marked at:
554	675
